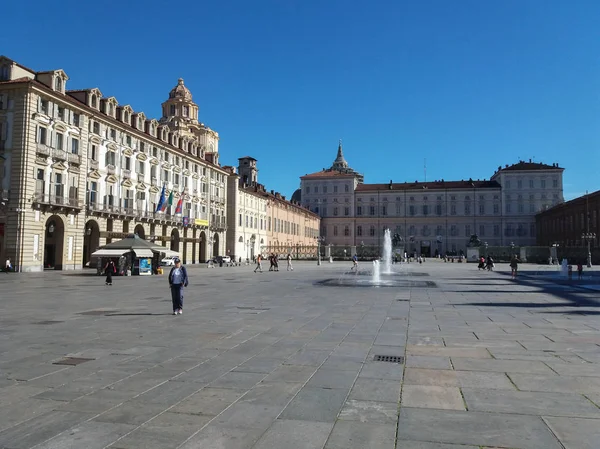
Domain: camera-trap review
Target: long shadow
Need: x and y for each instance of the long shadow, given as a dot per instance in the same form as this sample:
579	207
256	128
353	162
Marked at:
136	314
574	299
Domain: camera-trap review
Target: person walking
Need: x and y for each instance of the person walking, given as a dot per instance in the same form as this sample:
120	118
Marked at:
178	279
276	262
514	265
354	263
580	271
8	265
289	263
109	269
258	263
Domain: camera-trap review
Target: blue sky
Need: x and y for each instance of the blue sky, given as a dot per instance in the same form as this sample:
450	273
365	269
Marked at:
467	85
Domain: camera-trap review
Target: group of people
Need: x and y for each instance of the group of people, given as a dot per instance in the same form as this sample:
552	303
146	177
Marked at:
273	263
488	264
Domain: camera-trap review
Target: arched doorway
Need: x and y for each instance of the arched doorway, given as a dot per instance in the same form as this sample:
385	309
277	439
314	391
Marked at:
215	251
139	231
175	240
54	243
91	240
203	247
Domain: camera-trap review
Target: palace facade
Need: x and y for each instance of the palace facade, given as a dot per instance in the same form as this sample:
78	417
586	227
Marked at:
78	170
431	218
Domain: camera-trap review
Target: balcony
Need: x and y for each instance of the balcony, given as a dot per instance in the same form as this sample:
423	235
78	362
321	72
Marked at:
59	155
140	177
74	158
50	201
93	164
218	222
43	149
153	181
126	173
111	170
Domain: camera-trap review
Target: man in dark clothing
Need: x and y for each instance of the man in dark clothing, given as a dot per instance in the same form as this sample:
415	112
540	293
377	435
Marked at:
178	279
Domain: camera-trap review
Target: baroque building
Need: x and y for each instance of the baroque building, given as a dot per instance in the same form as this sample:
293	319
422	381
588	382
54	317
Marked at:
262	222
79	170
430	218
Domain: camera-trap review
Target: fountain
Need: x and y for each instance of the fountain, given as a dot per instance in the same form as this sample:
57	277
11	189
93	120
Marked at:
564	268
376	277
387	252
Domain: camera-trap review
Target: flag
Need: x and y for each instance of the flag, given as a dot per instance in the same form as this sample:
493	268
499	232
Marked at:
161	201
169	202
179	207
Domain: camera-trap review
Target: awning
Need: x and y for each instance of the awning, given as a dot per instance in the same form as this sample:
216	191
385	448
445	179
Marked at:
167	252
143	253
110	252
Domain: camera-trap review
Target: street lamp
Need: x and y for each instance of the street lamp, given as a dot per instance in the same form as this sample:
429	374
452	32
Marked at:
589	237
362	249
486	248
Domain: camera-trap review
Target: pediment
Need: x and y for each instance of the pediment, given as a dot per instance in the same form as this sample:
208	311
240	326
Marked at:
127	183
195	199
177	169
154	189
59	166
128	152
141	157
154	161
195	175
141	186
112	179
111	146
60	126
73	168
95	139
165	165
186	172
94	174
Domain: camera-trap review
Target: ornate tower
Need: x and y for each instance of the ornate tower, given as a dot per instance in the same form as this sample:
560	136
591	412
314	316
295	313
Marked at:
179	112
248	171
340	163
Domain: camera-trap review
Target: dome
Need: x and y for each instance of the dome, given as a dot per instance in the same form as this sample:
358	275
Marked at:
180	91
297	196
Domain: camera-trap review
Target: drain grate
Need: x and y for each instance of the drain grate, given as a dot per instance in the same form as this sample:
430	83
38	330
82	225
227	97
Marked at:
390	358
72	361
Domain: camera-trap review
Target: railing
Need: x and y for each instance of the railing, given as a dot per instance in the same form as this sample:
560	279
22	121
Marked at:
56	200
60	155
126	173
93	164
218	222
110	169
43	149
74	158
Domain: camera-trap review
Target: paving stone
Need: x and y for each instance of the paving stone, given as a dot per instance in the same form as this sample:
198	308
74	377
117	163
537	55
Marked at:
554	383
330	378
308	357
246	415
379	390
500	366
474	428
359	435
220	437
575	433
449	378
208	401
89	435
315	404
425	445
291	373
13	414
18	392
370	412
272	393
295	434
481	353
130	413
235	379
427	396
259	364
382	370
335	362
580	369
97	402
530	403
424	361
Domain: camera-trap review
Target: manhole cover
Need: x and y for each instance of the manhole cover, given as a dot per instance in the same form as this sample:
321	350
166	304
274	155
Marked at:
390	358
97	312
49	322
72	361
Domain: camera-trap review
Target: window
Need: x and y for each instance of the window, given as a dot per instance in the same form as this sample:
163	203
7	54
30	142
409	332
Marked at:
93	153
128	141
59	141
372	231
543	184
438	209
359	231
74	146
453	230
127	163
383	210
508	208
307	189
508	184
324	189
467	209
358	210
346	211
453	209
335	230
186	111
75	119
531	184
96	128
482	209
44	106
496	230
555	183
467	230
425	209
61	113
519	184
411	210
521	208
58	84
58	185
532	229
172	109
94	101
371	210
40	184
346	231
346	188
496	209
113	134
93	192
42	134
110	158
335	189
140	167
481	230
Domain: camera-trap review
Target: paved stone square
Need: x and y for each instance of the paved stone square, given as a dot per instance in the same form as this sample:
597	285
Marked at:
274	360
